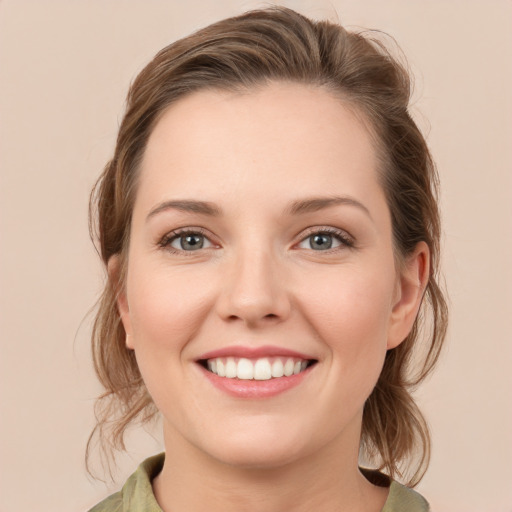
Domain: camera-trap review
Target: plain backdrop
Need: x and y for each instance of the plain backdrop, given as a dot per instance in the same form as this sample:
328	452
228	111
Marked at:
65	67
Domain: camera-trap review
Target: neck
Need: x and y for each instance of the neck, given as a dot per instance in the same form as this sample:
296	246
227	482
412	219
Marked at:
327	480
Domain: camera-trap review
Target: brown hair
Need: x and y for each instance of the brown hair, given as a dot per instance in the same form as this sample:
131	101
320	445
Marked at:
243	52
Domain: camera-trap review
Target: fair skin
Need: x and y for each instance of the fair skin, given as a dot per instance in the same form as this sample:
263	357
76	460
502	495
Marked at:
260	231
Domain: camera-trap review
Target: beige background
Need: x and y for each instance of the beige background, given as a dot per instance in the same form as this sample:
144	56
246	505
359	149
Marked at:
65	68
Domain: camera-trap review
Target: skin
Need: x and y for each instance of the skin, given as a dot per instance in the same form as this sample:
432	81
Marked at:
259	281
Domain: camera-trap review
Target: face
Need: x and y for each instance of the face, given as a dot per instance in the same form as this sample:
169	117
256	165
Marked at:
261	293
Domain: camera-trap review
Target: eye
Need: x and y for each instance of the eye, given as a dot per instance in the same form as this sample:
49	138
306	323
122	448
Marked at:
190	242
323	240
187	241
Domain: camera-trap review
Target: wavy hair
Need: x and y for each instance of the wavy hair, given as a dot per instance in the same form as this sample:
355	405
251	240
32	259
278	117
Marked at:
245	52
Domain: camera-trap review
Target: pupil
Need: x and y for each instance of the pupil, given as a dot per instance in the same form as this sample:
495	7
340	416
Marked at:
321	241
192	242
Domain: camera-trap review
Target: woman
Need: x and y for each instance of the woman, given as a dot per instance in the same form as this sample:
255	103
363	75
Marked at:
271	233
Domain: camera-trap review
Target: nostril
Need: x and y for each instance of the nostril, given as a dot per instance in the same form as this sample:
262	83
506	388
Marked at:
252	305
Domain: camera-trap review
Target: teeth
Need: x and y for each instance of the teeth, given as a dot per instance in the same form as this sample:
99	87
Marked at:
277	368
231	370
288	367
245	369
259	369
221	369
262	369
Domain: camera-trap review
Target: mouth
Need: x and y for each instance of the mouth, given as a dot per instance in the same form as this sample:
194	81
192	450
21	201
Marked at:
257	369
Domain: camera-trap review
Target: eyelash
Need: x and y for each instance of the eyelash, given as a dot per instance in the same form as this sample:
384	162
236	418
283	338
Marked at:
346	241
167	239
343	237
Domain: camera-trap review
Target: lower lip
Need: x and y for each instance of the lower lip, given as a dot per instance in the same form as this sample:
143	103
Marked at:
256	388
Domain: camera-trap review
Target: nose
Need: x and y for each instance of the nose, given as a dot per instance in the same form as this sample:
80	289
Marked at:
254	290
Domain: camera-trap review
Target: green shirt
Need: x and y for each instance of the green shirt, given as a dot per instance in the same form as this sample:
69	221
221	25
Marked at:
137	493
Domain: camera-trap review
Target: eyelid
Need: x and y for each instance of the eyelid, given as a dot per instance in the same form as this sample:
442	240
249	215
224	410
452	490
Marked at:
345	238
165	241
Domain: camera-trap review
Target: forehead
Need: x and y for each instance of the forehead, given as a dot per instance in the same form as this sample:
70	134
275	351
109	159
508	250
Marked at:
279	140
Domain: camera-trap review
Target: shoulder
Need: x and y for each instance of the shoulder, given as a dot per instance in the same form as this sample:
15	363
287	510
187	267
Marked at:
404	499
400	497
137	493
111	504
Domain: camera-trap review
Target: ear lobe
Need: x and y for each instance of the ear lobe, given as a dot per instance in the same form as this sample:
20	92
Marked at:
114	275
411	285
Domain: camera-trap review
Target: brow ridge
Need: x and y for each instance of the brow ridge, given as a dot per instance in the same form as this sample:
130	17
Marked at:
187	205
298	207
315	204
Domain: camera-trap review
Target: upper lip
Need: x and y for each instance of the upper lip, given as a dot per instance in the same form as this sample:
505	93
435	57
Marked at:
254	352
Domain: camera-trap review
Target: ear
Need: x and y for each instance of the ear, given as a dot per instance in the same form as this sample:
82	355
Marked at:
411	285
114	275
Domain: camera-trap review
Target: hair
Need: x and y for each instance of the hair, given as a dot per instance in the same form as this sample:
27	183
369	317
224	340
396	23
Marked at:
241	53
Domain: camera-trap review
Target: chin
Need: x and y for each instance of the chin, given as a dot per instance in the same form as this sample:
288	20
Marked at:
258	458
259	449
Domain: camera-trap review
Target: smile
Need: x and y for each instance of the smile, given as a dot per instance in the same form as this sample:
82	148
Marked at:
264	368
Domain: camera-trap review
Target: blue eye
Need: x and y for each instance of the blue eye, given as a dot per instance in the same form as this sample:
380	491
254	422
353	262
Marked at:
321	241
325	240
188	241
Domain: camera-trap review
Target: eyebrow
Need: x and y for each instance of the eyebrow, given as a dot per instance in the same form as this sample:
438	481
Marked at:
298	207
315	204
201	207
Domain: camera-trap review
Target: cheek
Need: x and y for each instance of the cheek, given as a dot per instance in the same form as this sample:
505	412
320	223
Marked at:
166	311
165	307
351	313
